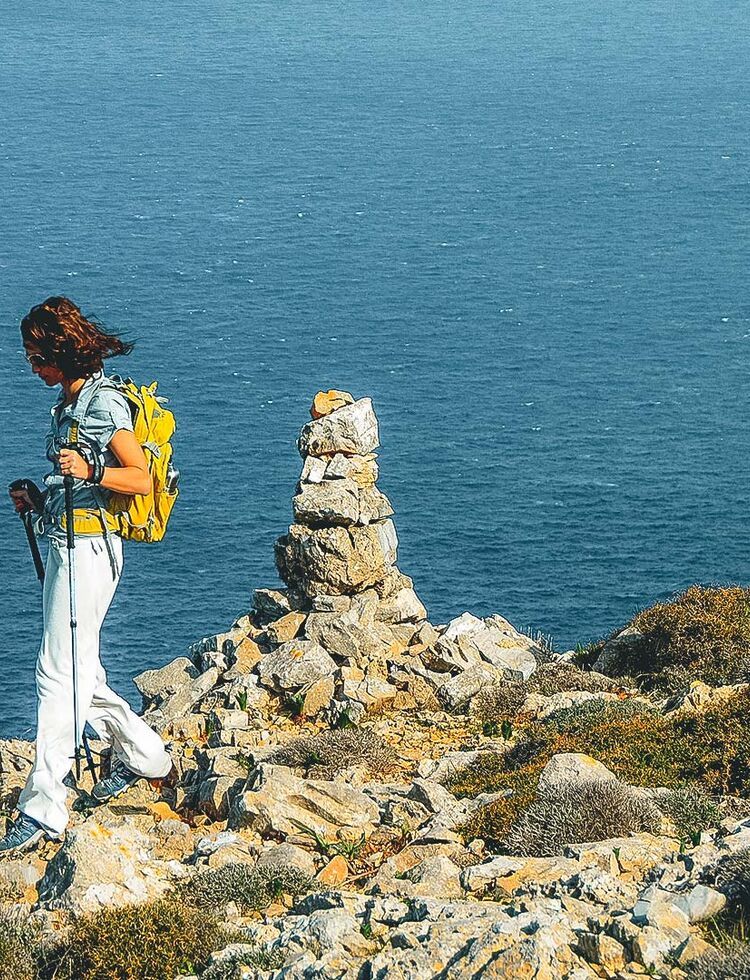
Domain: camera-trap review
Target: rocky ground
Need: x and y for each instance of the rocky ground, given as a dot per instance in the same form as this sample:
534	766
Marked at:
363	794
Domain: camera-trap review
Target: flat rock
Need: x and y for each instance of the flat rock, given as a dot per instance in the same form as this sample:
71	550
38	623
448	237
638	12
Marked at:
458	690
100	866
341	502
363	470
164	681
280	802
350	429
326	402
295	664
572	768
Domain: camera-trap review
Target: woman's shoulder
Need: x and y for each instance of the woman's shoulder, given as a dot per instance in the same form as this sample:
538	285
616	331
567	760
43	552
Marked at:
109	401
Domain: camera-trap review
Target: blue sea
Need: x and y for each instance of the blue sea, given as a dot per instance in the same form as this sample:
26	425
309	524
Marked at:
522	228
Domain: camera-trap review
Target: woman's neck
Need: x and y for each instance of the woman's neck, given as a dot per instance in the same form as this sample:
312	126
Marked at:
71	389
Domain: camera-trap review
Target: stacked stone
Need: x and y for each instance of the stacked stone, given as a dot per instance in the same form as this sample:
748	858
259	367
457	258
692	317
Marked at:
343	540
352	606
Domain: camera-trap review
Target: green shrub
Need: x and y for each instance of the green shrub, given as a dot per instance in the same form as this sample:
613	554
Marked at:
504	700
691	810
701	634
639	745
249	887
589	811
231	968
324	755
18	943
154	941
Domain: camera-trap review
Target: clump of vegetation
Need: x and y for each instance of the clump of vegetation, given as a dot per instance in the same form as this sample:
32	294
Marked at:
588	811
154	941
639	745
732	961
691	810
250	888
17	945
504	701
325	755
701	634
731	876
232	968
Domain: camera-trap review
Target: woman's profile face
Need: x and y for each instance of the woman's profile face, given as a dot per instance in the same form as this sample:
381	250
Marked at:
49	374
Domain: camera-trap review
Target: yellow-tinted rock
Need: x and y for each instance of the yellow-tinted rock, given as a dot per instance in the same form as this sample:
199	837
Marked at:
318	696
286	628
248	655
326	402
335	872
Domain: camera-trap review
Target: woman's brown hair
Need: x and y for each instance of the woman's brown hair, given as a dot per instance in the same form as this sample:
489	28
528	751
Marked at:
68	340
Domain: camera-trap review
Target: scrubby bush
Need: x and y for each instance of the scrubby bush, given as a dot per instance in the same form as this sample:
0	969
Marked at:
589	811
500	701
233	967
17	949
731	876
732	961
324	755
248	887
703	634
154	941
691	810
708	750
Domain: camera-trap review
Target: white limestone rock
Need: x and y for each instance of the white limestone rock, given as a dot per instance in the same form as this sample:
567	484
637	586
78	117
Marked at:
294	665
351	429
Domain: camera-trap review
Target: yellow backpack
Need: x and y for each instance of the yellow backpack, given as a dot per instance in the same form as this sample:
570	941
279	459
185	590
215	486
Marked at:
145	517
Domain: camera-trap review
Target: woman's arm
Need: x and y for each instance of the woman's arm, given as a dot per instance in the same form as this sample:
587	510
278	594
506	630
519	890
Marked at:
131	476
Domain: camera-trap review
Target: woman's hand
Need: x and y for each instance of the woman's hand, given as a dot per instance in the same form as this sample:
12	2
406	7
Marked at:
21	501
73	464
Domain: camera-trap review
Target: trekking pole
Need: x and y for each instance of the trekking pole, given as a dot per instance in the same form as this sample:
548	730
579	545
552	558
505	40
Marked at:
33	494
78	734
71	536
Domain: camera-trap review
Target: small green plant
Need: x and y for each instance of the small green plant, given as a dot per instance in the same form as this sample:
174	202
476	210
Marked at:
491	729
366	930
241	700
344	720
294	705
506	729
343	846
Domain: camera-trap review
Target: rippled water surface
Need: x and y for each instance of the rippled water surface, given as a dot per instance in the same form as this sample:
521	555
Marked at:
522	228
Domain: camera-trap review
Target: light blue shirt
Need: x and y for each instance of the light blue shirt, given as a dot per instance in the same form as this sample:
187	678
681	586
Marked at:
101	411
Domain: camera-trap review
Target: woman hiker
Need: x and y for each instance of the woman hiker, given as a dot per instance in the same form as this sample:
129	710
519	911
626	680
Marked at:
65	348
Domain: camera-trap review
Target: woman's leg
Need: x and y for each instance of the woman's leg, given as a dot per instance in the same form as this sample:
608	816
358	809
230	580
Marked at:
44	795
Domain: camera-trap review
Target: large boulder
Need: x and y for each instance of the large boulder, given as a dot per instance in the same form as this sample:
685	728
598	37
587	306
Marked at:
336	560
350	429
99	866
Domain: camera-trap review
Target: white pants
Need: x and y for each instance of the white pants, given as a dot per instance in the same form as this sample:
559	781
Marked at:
139	747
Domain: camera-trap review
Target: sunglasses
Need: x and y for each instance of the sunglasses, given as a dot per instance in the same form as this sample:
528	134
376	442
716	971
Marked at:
35	359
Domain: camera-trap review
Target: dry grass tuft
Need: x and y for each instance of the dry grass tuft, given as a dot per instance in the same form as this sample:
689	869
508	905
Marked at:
590	811
154	941
248	887
325	755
